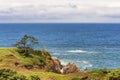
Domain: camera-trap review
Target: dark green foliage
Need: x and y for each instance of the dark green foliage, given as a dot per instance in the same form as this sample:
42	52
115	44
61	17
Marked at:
47	55
1	60
24	51
42	57
75	79
37	57
26	44
113	75
42	63
18	77
34	77
7	74
28	66
41	52
36	52
99	71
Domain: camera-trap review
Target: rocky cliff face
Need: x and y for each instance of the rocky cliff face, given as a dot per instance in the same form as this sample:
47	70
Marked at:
58	68
69	68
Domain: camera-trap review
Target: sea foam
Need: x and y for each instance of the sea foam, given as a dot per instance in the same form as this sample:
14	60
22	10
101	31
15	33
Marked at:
76	51
80	51
83	64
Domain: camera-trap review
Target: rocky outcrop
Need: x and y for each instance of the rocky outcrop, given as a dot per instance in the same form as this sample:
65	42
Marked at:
58	68
56	65
69	68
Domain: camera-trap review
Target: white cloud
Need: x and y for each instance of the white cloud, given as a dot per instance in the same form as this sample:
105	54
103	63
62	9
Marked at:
59	11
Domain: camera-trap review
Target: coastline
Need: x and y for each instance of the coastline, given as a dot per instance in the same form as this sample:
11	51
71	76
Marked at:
9	54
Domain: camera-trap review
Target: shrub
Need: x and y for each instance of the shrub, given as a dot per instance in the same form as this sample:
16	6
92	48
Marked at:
42	62
82	78
78	77
26	44
36	52
18	77
34	77
8	74
113	75
28	66
75	79
1	60
99	71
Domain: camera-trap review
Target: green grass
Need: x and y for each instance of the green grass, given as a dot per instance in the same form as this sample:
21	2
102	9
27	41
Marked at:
10	58
10	73
47	75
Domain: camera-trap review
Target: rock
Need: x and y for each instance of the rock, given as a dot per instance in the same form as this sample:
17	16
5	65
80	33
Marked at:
56	67
69	68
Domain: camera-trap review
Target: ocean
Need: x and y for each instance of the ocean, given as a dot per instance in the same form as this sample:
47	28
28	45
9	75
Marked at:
87	45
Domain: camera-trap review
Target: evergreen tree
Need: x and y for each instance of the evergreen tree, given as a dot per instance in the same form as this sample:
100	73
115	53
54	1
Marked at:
26	44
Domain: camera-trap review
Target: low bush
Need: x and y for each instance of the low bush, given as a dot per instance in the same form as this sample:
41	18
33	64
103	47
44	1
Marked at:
1	60
5	73
99	71
28	66
18	77
113	75
8	74
34	77
75	79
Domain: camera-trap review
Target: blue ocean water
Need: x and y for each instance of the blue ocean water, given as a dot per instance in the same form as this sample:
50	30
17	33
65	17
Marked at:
87	45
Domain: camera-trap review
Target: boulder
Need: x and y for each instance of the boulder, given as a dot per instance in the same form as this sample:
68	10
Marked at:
69	68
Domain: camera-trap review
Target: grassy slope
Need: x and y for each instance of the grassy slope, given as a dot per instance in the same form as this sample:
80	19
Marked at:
9	56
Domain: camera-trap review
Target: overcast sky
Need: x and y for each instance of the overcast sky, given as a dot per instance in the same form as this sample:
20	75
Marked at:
60	11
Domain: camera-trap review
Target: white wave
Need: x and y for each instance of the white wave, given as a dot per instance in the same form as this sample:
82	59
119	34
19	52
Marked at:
58	54
84	64
76	51
80	51
55	53
63	62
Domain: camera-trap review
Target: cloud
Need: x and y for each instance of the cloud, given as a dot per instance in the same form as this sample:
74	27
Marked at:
59	11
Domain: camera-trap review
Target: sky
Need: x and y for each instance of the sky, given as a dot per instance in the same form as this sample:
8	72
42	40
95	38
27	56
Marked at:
75	11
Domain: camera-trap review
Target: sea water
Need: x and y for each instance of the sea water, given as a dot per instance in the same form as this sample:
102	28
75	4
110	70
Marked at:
88	45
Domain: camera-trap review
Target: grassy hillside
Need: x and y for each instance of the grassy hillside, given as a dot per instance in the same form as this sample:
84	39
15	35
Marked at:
11	58
27	66
14	66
